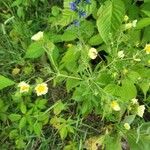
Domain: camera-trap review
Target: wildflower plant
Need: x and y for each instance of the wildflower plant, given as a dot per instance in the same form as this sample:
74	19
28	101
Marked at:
88	85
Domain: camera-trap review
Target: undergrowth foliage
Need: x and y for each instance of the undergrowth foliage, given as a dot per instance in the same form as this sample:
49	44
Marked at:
75	74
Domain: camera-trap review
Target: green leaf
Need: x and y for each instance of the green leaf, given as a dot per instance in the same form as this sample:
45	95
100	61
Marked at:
113	143
77	94
22	122
133	11
143	23
144	86
86	29
71	83
112	89
5	82
23	108
70	34
90	8
70	59
133	76
110	17
67	17
55	10
20	12
35	50
129	119
95	40
13	134
14	117
128	90
41	103
63	132
59	106
138	144
145	8
38	129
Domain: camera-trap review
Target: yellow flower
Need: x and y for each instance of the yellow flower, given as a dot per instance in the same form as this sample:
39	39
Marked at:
115	106
24	87
140	110
38	36
127	126
41	89
147	48
121	54
92	53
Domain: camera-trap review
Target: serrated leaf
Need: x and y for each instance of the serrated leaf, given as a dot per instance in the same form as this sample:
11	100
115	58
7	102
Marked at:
13	134
35	50
95	40
71	83
5	82
59	106
67	17
38	129
70	34
63	132
14	117
69	61
41	103
89	8
23	108
22	122
110	17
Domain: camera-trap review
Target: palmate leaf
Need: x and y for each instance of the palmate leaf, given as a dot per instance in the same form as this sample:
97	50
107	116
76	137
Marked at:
110	17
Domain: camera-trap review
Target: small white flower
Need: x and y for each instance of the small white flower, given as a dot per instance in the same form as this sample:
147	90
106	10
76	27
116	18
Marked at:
38	36
128	26
127	126
121	54
92	53
131	24
134	22
134	101
115	106
41	89
140	110
24	87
